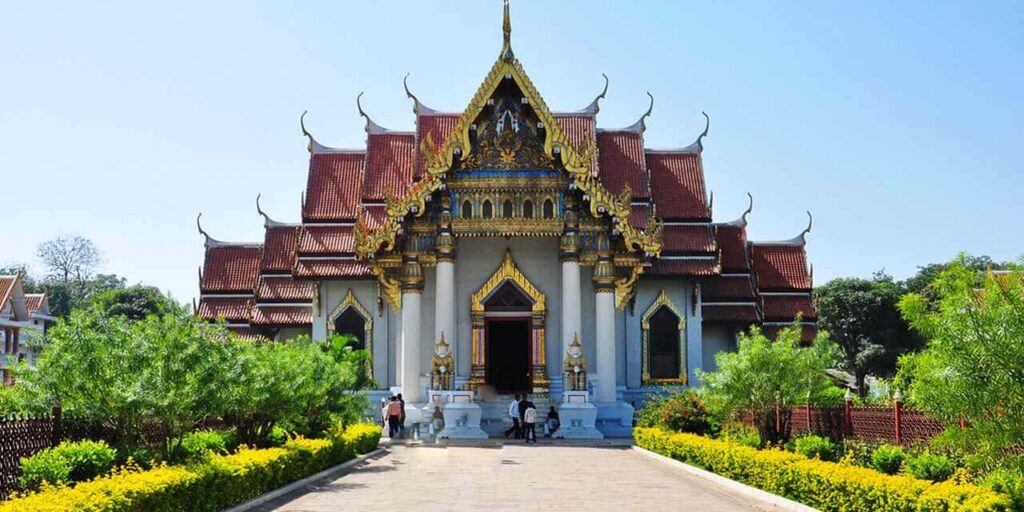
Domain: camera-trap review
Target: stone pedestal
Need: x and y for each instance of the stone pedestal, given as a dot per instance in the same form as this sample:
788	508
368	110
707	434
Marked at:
461	415
615	419
577	417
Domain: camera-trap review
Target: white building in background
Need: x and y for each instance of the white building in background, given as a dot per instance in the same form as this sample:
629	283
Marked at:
24	318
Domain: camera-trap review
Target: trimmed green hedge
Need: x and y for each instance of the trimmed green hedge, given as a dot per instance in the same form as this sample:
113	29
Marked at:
217	483
827	486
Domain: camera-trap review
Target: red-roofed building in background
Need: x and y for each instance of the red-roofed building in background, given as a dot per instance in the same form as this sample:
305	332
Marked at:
24	318
509	231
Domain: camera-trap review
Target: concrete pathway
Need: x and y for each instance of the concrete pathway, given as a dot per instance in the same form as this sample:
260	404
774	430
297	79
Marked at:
514	477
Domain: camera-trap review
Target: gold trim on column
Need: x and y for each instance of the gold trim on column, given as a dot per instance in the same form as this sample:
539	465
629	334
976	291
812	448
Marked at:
350	301
662	300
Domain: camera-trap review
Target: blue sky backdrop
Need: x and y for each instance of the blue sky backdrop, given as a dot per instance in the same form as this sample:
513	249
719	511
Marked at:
898	124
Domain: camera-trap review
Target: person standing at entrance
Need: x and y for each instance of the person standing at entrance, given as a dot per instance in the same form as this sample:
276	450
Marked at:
513	412
401	419
529	421
394	416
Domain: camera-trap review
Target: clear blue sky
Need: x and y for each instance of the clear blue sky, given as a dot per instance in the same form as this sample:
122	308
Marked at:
898	124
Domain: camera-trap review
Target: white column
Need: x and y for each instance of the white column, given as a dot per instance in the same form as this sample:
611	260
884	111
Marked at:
444	304
605	329
411	347
572	317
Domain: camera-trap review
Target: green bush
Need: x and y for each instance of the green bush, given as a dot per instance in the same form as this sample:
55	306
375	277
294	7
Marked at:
219	482
45	466
741	433
1010	483
888	459
197	445
815	447
681	412
67	462
827	486
929	466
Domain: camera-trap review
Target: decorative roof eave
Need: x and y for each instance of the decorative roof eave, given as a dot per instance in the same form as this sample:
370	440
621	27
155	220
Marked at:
315	147
418	108
742	221
799	240
271	223
212	242
696	148
595	106
640	126
372	128
577	161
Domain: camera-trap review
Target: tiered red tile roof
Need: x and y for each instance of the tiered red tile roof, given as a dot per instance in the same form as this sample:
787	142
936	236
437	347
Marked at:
743	282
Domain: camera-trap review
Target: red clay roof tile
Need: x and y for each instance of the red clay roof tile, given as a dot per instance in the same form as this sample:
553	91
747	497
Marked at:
374	215
640	216
389	165
732	241
579	129
784	308
232	309
279	248
230	268
326	240
733	288
283	289
34	301
282	316
440	126
677	185
732	313
330	268
780	267
687	267
334	186
688	239
621	162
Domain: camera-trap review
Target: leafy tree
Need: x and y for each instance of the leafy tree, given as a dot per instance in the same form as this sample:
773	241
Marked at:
920	283
763	375
105	282
862	318
134	302
342	349
973	366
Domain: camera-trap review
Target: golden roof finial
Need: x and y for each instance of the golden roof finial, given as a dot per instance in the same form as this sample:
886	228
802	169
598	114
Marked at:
506	28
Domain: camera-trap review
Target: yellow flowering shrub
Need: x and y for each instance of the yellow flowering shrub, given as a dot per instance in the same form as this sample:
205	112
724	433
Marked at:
824	485
217	483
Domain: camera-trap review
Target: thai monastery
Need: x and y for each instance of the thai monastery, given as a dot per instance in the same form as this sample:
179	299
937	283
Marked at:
512	248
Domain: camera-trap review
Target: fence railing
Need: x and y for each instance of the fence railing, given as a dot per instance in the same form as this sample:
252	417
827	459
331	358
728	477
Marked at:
895	424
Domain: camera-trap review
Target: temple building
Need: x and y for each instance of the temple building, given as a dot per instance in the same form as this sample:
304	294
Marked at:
517	237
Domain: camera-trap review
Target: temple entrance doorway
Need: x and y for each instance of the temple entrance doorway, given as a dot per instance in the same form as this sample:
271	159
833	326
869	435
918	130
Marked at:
507	317
508	350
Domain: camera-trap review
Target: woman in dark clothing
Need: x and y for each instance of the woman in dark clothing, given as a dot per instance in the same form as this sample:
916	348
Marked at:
552	423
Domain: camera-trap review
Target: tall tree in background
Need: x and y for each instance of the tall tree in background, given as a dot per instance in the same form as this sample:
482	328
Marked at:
70	262
863	319
134	302
921	282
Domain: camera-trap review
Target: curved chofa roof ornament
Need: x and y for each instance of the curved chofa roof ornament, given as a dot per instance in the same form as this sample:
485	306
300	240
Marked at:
750	208
418	108
506	31
639	126
810	222
698	145
267	221
595	105
313	146
210	241
371	127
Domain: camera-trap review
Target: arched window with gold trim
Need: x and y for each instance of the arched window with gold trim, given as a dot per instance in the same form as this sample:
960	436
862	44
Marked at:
507	209
528	209
488	209
352	319
467	209
663	342
549	209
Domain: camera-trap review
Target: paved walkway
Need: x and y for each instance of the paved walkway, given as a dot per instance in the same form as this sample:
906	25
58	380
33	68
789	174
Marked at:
514	477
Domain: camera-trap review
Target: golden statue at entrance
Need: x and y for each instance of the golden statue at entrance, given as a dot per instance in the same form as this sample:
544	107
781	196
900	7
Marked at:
442	372
575	368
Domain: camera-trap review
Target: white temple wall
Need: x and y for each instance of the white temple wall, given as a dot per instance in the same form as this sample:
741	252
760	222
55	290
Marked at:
477	259
680	292
717	338
290	333
332	293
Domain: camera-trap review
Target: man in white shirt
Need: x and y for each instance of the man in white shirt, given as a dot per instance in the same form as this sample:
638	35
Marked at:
513	412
